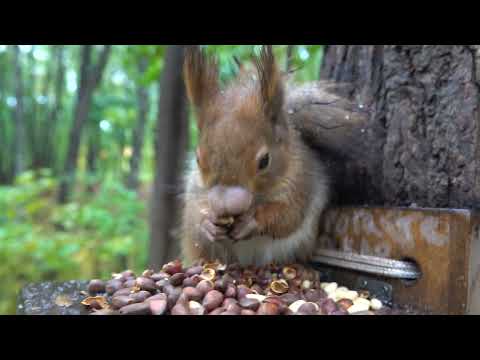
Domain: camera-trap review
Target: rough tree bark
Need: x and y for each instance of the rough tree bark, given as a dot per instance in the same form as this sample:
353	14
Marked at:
139	130
421	142
20	144
90	77
171	136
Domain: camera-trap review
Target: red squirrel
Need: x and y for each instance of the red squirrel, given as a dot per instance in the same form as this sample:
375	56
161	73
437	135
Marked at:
257	191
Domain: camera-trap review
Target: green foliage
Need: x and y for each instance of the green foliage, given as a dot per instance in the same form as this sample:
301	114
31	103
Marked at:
104	228
93	236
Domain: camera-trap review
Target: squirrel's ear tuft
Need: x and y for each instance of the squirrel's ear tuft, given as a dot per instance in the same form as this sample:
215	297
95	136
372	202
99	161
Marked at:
201	77
270	81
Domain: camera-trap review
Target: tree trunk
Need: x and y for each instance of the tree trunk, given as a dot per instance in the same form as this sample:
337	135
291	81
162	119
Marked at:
57	105
89	79
171	136
421	143
138	132
20	145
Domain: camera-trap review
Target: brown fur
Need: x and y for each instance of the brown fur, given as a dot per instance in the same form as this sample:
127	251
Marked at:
236	125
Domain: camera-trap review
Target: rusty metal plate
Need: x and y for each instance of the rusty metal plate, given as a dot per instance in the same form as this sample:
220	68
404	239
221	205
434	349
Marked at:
438	241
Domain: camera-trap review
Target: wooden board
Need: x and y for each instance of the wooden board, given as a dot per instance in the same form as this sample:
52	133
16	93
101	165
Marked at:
444	243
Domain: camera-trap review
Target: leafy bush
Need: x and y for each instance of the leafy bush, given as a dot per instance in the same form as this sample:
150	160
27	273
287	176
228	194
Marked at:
93	236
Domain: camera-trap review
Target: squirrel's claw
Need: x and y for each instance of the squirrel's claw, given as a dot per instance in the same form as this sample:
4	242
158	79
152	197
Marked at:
211	232
245	227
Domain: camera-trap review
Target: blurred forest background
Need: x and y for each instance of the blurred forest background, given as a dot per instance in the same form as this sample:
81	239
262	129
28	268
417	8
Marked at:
85	133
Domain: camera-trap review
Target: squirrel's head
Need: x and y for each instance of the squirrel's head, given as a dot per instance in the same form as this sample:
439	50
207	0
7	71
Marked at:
243	148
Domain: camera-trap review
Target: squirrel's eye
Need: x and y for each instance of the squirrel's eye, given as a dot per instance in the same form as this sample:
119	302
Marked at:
264	162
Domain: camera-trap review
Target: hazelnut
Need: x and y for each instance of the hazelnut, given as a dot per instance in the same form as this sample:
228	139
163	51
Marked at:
279	286
231	291
192	281
212	300
249	304
196	308
159	276
289	273
192	293
161	283
121	301
136	309
205	286
146	284
96	286
344	304
140	296
124	291
177	279
158	306
221	285
129	283
208	274
296	305
196	270
247	312
309	308
314	295
128	274
242	291
148	273
217	311
181	308
327	306
340	312
228	301
289	298
113	286
268	309
172	267
160	296
234	308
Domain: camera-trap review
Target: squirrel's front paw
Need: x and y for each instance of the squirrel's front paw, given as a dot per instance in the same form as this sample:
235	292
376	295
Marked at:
244	227
211	232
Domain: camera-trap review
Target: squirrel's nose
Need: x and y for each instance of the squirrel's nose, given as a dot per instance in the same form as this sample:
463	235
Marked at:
229	201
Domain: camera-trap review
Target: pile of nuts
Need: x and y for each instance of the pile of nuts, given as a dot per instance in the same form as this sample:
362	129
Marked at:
217	289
